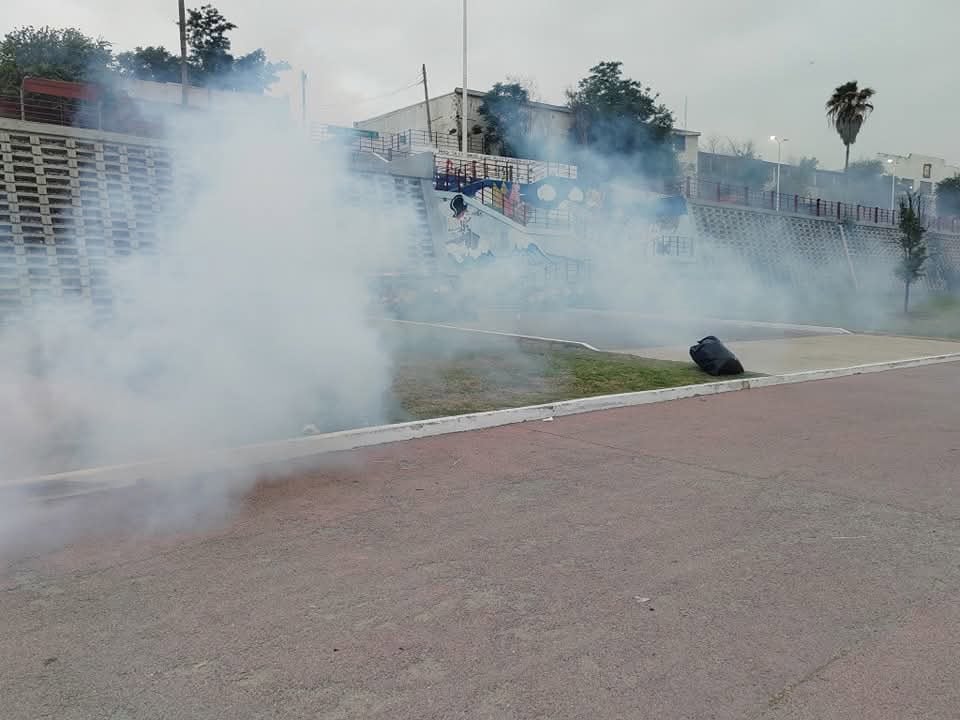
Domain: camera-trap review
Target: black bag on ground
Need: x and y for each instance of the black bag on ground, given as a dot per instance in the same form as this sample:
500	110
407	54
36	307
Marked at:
715	358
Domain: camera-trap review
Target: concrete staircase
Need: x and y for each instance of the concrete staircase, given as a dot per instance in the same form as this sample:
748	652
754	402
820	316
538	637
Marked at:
403	195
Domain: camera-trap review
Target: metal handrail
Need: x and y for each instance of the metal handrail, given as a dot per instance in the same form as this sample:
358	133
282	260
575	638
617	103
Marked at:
733	194
124	118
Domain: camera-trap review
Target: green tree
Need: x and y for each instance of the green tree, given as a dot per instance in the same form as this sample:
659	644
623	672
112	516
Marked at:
913	246
506	112
620	120
212	64
948	197
68	54
150	63
254	73
847	110
210	56
54	53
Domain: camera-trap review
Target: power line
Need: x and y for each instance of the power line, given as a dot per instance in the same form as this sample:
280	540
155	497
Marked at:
349	103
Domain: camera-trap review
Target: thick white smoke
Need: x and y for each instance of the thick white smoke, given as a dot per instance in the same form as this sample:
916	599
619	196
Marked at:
762	268
250	322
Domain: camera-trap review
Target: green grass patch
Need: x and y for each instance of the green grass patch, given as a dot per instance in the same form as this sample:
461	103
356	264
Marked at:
517	374
939	317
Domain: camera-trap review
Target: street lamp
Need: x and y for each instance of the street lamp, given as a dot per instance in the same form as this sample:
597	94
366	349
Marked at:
463	110
893	183
779	141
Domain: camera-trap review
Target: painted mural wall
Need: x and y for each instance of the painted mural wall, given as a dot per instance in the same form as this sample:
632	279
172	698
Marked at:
504	263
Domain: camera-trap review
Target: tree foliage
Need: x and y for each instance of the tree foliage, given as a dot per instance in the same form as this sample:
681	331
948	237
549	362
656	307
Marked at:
913	245
948	197
254	73
212	64
209	45
847	110
506	112
54	53
68	54
156	64
618	118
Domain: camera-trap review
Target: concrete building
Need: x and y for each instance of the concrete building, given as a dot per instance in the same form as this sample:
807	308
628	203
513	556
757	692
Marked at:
913	173
923	172
550	122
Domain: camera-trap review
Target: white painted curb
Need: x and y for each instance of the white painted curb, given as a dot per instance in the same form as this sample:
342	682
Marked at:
252	456
556	341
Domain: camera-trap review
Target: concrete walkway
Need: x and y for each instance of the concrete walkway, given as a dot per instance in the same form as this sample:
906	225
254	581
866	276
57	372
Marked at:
606	329
787	553
797	354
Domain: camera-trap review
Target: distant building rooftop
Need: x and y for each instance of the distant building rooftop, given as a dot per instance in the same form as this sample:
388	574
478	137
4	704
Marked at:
549	107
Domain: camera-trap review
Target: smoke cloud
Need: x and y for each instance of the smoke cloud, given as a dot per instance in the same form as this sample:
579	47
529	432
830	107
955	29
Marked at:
732	262
253	318
250	322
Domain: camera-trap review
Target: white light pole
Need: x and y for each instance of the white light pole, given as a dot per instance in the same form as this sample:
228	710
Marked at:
893	183
779	141
463	110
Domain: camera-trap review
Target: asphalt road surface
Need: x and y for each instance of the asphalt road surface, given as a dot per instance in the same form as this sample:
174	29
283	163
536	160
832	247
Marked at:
786	553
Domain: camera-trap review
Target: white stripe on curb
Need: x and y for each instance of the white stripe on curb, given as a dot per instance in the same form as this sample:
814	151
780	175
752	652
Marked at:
476	331
251	456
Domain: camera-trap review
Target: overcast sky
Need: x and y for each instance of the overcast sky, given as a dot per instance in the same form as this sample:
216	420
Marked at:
749	68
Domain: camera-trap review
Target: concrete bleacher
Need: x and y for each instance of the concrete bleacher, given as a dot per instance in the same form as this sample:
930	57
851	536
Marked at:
945	254
73	202
806	251
70	201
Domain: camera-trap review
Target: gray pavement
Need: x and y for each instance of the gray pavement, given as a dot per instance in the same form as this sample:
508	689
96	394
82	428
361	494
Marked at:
608	330
785	553
824	352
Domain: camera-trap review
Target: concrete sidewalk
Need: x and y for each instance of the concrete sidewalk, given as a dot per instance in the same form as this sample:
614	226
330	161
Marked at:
797	354
606	329
787	553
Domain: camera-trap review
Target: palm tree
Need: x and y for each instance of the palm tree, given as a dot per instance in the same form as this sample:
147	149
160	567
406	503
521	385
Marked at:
847	109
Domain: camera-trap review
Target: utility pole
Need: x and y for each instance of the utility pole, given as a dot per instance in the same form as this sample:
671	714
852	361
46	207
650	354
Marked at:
184	80
426	99
463	110
303	97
